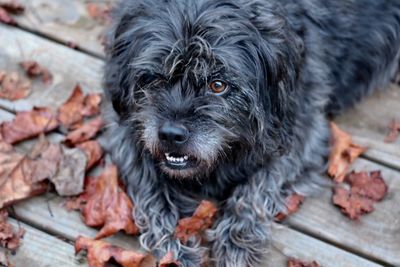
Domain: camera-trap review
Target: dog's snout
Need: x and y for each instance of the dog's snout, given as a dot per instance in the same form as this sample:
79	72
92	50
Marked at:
173	133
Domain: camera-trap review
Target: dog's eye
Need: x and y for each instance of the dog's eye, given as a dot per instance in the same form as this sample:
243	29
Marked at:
218	87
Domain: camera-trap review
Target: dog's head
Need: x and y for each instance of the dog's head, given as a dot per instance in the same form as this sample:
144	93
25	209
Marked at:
203	82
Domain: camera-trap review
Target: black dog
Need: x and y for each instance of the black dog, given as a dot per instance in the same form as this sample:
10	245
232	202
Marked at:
227	100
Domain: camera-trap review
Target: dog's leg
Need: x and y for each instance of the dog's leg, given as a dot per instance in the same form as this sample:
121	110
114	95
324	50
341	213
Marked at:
241	236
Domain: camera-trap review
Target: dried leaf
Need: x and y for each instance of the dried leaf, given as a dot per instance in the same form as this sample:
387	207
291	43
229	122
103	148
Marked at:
13	87
108	205
99	12
299	263
85	132
169	260
394	131
77	106
100	252
6	18
34	70
352	205
293	204
8	237
93	152
368	185
343	153
28	124
201	220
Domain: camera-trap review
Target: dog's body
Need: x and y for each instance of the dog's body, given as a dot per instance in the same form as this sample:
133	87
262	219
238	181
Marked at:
227	100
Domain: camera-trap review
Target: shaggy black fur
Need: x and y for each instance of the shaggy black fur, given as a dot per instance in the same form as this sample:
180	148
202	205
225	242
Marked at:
286	65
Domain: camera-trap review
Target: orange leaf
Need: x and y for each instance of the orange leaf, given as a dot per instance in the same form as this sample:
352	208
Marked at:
85	132
70	112
343	153
13	86
8	238
33	70
28	124
108	206
293	204
93	151
201	220
100	252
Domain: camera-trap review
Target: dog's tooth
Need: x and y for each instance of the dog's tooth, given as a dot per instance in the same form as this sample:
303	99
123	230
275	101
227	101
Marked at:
186	157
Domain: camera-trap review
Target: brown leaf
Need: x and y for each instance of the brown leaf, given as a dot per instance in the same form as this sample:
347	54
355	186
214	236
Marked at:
368	185
293	204
99	12
300	263
394	131
85	132
28	124
343	153
34	70
8	237
100	252
352	205
108	205
93	151
13	87
12	6
6	18
77	106
168	260
201	220
16	181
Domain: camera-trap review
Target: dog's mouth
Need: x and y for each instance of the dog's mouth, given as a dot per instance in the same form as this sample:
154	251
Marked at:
179	161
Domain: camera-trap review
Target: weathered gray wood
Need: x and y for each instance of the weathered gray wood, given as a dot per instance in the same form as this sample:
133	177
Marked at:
39	249
68	67
376	235
64	21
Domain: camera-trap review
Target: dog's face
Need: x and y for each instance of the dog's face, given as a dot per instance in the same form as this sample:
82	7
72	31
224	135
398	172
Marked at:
201	87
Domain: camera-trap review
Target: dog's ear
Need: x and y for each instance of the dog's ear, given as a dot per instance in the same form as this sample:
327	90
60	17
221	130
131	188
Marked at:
280	52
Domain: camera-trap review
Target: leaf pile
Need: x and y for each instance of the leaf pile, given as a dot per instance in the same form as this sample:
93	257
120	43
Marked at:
300	263
13	86
34	70
8	237
343	153
365	190
100	252
9	8
394	131
201	220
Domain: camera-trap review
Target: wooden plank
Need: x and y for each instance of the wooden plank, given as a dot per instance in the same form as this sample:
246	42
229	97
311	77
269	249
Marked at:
376	235
68	67
64	21
39	249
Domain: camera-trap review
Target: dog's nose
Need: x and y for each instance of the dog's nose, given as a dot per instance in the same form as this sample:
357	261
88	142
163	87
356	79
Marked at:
173	133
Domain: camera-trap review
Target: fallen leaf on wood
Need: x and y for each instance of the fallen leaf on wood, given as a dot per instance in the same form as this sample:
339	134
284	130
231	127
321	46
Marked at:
293	204
100	252
299	263
34	70
367	185
85	132
99	12
201	220
394	131
169	260
352	205
8	237
108	206
343	153
93	151
13	86
28	124
77	106
6	18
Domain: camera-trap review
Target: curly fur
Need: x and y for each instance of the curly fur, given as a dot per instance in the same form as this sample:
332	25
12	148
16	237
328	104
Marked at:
288	64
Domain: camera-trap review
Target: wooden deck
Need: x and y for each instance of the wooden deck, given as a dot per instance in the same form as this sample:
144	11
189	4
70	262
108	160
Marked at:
317	232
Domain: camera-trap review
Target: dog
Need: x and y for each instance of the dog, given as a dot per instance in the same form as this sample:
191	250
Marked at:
229	100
